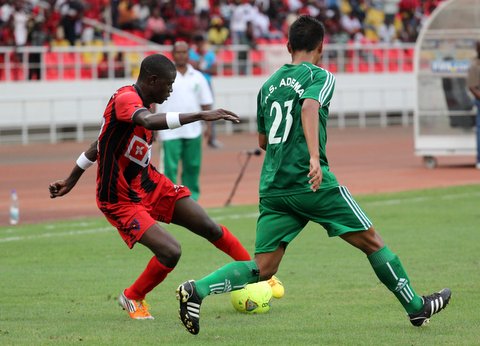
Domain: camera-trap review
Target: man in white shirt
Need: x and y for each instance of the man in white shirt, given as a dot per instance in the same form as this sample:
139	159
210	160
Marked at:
243	13
191	93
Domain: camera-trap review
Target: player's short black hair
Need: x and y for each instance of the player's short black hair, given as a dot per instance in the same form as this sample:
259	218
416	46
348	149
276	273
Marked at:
157	64
305	33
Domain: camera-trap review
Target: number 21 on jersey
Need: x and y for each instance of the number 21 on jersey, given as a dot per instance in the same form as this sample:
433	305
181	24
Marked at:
274	137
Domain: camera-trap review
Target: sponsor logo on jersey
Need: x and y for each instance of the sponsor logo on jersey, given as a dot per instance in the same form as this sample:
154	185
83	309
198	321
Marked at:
139	151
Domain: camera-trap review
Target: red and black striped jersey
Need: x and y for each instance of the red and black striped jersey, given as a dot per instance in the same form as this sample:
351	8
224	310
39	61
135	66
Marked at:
124	171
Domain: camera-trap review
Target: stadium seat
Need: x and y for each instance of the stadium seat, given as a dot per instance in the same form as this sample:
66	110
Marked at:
52	74
378	67
51	62
256	58
331	66
86	72
257	71
393	66
225	58
51	58
393	54
408	66
227	71
68	65
378	55
363	67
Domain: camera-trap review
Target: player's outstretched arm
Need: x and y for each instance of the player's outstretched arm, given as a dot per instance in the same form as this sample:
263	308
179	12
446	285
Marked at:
172	120
310	129
86	159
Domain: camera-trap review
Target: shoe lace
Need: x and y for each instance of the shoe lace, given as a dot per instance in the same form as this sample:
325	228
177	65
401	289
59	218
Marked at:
273	281
143	307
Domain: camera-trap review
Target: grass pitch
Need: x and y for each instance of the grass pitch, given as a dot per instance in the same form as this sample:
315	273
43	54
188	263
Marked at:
59	282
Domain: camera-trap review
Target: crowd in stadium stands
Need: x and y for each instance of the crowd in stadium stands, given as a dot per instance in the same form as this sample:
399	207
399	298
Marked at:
42	22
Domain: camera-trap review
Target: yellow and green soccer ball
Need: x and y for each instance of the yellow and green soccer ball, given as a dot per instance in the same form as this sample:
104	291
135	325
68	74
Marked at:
253	298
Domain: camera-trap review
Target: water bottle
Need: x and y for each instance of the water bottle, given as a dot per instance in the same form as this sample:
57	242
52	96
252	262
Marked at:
14	208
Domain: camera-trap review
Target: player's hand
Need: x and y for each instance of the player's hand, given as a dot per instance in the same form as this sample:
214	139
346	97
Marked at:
59	188
217	114
315	174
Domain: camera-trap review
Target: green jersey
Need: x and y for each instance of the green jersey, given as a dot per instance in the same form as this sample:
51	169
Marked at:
279	109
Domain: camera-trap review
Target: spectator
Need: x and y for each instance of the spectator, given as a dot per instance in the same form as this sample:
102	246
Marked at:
226	9
242	14
36	38
410	21
387	32
143	12
250	41
203	22
114	4
127	16
351	24
390	8
6	11
191	93
263	4
334	31
52	22
20	20
332	4
374	18
118	64
202	6
186	24
103	66
294	5
156	29
71	12
261	25
6	33
218	33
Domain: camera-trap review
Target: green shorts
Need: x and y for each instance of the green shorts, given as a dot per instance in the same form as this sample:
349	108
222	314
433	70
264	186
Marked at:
282	218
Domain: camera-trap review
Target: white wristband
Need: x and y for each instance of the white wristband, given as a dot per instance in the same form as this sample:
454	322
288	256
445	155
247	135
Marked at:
83	162
173	120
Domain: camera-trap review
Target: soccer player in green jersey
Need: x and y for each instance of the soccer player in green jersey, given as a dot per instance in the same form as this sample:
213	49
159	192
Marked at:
296	186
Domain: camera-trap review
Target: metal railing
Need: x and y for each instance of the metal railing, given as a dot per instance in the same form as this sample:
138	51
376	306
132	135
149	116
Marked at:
115	61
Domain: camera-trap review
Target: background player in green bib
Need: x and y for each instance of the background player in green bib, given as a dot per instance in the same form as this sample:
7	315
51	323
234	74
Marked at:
296	186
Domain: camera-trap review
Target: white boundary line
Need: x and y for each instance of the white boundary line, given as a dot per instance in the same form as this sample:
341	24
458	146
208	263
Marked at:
60	234
227	217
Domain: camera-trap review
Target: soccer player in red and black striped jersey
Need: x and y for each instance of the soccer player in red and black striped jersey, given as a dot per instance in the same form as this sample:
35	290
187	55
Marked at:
132	194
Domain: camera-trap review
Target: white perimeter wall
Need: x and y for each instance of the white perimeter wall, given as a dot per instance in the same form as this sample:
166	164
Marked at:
32	104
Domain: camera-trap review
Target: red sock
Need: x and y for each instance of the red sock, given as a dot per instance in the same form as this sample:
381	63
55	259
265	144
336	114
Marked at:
229	244
154	273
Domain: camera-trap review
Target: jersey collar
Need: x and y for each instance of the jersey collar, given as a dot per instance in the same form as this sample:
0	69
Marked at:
139	92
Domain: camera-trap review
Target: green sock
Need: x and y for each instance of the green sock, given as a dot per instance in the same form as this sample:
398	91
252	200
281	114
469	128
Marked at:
230	277
390	271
